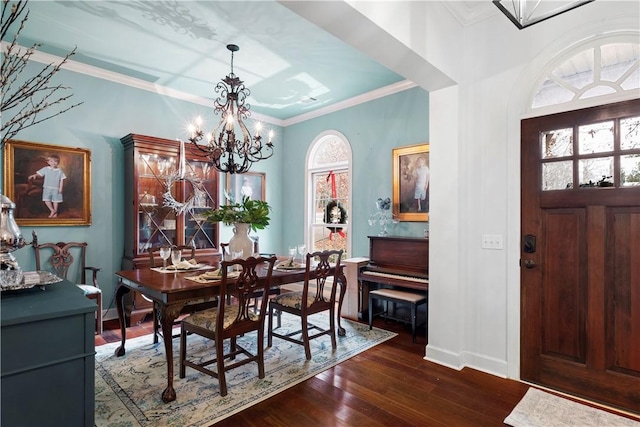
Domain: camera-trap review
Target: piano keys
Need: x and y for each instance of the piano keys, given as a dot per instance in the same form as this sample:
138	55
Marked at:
394	261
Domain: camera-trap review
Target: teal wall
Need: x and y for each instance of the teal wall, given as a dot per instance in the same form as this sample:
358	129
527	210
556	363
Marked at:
373	130
111	111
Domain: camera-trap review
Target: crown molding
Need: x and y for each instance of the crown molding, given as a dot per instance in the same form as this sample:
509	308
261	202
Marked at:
351	102
136	83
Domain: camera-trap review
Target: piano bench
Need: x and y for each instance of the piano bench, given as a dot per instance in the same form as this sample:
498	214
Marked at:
397	296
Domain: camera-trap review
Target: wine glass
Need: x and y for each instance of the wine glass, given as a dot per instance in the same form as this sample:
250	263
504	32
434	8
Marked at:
165	253
292	254
236	255
302	250
176	257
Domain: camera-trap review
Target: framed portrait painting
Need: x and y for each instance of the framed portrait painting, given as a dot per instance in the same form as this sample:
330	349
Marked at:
248	184
50	184
411	183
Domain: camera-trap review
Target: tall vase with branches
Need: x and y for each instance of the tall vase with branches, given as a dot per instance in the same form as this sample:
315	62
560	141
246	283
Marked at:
26	97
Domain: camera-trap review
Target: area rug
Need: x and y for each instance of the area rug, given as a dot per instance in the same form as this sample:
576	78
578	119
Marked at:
538	408
128	389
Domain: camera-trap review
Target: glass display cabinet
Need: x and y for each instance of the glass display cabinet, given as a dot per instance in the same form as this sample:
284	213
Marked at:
164	207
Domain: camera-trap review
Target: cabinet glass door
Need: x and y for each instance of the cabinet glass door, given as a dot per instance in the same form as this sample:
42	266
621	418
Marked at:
184	223
198	232
156	223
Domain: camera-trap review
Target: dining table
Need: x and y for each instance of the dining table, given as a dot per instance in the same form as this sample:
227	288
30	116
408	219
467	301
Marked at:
171	291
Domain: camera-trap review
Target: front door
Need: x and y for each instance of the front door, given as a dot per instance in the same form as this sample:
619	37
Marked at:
580	253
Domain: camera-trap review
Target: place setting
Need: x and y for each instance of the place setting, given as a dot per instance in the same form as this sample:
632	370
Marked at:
213	276
291	263
177	263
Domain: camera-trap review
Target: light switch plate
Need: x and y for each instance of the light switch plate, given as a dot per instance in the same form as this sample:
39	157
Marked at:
492	241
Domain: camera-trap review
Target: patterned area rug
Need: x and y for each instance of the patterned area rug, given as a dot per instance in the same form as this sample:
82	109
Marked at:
128	388
540	409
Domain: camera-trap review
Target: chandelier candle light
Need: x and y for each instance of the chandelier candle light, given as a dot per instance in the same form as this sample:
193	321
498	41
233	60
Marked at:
228	153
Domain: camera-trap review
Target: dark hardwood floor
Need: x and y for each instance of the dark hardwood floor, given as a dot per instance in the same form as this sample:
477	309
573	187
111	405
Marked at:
388	385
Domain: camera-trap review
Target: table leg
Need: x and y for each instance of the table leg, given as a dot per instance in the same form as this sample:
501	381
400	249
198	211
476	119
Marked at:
121	291
168	314
343	290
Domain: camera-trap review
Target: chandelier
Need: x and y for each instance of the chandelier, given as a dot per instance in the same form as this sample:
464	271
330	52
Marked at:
231	152
524	13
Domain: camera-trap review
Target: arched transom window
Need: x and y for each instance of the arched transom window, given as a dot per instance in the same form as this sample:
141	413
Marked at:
604	68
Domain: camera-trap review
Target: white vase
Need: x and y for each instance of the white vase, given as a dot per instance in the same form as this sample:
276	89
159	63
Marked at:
241	242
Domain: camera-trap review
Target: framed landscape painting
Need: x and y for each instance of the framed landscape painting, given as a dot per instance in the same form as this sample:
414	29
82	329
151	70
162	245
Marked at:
50	184
411	176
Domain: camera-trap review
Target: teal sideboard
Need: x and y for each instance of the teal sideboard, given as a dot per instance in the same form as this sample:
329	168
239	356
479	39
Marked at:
47	357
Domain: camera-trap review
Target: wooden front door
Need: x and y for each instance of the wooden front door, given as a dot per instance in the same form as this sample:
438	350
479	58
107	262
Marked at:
580	253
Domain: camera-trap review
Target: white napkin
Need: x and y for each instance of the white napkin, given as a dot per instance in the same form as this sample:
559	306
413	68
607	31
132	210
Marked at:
184	265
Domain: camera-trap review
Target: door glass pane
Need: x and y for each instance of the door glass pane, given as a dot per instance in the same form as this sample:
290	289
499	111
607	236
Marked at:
557	175
630	170
595	138
557	143
596	172
630	133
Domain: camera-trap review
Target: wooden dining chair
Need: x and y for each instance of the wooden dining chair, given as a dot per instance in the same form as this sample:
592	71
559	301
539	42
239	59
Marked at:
229	321
224	250
61	258
310	300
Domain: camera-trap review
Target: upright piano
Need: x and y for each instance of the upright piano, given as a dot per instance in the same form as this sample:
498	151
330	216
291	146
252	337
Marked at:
394	261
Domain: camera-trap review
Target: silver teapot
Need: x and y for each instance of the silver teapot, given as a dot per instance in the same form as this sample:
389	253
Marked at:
10	235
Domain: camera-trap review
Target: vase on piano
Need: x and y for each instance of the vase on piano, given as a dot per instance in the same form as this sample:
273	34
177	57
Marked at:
240	241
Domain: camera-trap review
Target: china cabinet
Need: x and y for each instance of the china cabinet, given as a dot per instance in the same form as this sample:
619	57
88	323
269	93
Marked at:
164	207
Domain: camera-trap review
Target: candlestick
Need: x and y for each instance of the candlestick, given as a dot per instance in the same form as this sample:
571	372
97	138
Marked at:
182	164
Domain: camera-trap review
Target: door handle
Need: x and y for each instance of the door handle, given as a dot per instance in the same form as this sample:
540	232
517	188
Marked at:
529	263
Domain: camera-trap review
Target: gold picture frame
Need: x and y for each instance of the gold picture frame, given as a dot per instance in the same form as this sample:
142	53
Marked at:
23	183
406	171
251	183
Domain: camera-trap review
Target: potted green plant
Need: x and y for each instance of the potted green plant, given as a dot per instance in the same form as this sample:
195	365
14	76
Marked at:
252	212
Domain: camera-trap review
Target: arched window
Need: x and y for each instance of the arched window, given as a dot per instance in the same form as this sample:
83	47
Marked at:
328	193
607	67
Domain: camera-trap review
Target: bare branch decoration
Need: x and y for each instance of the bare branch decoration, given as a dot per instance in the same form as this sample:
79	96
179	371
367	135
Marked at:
31	97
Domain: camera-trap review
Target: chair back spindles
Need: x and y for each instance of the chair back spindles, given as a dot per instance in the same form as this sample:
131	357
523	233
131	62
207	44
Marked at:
245	287
322	273
61	258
